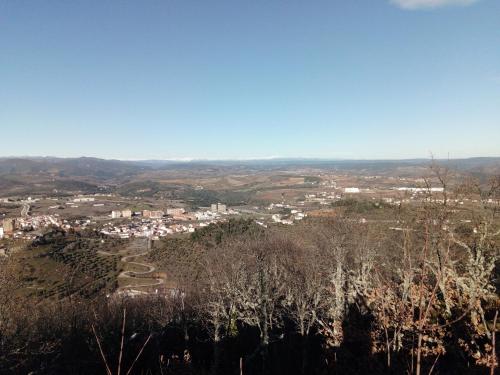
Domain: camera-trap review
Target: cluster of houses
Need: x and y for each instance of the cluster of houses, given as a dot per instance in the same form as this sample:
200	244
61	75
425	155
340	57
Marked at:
29	227
295	215
150	228
282	218
157	223
323	197
155	228
176	213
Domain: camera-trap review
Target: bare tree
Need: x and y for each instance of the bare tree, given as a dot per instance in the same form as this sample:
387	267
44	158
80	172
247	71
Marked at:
306	290
260	301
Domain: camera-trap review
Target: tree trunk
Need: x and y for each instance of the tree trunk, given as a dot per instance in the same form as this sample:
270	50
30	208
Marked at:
264	318
388	346
264	343
419	354
216	359
305	342
494	346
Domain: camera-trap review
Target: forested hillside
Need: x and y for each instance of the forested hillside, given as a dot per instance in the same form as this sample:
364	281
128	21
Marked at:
414	293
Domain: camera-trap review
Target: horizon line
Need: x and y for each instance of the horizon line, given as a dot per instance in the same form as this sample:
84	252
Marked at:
268	158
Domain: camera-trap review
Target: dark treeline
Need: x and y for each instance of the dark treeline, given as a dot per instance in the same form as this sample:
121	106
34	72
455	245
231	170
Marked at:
416	293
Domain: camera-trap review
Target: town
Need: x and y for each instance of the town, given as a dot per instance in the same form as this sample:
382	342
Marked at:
115	215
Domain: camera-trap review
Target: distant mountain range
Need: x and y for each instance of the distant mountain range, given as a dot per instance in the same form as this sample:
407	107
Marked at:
105	168
63	167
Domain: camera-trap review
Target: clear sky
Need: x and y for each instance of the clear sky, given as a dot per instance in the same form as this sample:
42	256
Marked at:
247	79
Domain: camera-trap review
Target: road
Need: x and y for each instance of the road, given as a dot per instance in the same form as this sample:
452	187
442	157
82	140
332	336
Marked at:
135	275
25	210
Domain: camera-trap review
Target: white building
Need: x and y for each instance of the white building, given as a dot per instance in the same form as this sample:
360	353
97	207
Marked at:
351	190
83	199
218	207
127	213
116	214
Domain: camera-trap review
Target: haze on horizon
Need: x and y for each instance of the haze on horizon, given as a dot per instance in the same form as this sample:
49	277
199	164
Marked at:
385	79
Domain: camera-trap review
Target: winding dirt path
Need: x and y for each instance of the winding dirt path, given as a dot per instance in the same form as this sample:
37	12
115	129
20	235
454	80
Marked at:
135	275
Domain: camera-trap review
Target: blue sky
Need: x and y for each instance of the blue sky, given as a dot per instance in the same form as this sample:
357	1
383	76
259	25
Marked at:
250	79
